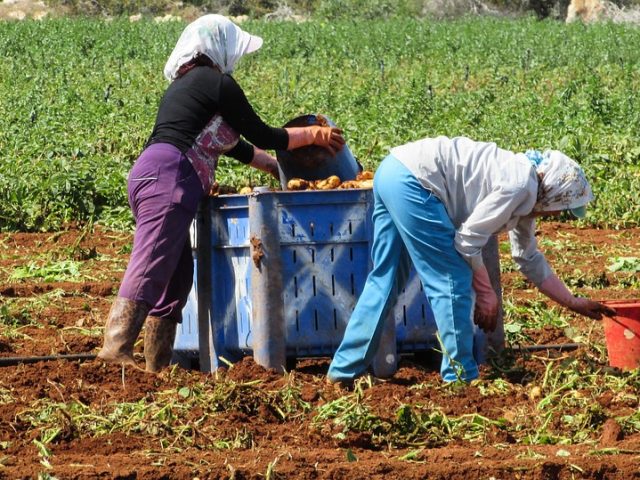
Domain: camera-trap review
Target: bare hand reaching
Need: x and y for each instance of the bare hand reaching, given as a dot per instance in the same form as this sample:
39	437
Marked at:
487	304
591	308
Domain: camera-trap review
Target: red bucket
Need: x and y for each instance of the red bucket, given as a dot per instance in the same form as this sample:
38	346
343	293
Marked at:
622	334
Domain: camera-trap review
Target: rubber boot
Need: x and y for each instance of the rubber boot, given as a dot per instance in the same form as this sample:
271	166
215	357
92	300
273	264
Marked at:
159	335
123	326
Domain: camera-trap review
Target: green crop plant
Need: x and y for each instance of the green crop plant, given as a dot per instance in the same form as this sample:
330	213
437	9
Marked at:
350	413
272	473
518	318
161	415
74	115
580	279
427	425
15	313
495	387
288	401
72	419
568	411
413	456
19	313
413	425
53	297
45	454
417	425
6	396
89	332
61	271
630	281
507	265
625	264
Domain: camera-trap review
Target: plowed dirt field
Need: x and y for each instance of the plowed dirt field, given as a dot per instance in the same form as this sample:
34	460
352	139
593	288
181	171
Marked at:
532	415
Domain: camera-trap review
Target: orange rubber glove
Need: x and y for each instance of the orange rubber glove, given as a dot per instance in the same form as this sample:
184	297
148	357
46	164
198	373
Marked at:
328	137
556	290
486	311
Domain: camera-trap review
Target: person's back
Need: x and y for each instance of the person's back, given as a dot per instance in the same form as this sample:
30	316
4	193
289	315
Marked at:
187	106
462	173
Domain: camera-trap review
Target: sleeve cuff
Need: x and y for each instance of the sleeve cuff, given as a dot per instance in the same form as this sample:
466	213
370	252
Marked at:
243	152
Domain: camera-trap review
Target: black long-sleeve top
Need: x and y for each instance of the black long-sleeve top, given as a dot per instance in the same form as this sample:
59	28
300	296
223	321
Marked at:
193	99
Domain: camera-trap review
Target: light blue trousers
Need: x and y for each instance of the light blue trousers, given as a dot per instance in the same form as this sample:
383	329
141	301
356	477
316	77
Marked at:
410	225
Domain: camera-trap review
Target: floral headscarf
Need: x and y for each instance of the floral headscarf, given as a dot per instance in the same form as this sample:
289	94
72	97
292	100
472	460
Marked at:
215	36
564	185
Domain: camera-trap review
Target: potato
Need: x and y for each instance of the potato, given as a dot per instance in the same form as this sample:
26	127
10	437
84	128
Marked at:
365	183
298	184
328	183
349	184
365	175
217	189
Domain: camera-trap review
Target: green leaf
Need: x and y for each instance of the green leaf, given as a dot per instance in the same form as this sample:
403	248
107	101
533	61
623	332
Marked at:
351	456
625	264
512	328
412	455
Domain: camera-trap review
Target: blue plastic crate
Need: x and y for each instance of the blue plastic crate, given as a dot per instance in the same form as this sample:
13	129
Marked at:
187	334
323	241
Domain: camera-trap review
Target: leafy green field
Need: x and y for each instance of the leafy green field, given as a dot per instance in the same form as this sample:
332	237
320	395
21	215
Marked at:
78	100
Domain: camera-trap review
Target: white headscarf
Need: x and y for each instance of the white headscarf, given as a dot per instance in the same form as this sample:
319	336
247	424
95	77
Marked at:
564	185
215	36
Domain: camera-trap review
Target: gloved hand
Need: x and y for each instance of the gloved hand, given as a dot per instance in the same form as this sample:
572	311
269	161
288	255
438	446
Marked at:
265	162
555	289
486	311
328	137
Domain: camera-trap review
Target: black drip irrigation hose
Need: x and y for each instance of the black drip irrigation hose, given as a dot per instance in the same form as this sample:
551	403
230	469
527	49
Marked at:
11	361
561	347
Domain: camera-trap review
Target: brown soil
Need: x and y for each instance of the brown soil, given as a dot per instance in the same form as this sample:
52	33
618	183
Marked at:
44	318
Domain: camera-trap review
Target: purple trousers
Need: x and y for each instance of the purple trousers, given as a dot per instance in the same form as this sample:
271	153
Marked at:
164	193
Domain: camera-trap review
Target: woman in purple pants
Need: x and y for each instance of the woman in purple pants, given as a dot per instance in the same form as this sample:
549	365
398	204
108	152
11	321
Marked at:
202	115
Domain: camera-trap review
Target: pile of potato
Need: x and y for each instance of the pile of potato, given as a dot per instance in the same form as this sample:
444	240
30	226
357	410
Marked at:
363	180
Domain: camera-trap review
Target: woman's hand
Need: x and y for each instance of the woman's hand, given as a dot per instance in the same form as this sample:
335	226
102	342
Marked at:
487	304
328	137
555	289
591	308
